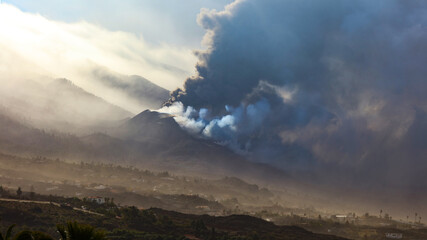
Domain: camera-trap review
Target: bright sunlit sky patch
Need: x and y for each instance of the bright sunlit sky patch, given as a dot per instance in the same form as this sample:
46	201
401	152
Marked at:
59	38
158	21
64	39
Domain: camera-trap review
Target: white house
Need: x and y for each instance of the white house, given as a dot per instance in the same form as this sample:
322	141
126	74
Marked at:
99	200
394	235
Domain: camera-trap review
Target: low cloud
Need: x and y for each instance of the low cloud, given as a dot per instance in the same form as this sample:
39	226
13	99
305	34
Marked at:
34	47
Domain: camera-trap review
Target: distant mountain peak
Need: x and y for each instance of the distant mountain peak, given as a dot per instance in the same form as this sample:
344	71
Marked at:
148	115
62	81
146	93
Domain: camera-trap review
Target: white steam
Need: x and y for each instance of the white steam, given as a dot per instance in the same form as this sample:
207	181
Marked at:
229	129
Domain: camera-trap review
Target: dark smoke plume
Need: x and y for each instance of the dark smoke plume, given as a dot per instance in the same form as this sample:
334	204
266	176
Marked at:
333	86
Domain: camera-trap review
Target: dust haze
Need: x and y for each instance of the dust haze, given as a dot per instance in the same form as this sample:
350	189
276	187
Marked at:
299	112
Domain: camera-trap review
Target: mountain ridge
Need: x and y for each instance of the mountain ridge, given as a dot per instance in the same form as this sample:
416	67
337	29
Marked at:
137	89
59	104
178	152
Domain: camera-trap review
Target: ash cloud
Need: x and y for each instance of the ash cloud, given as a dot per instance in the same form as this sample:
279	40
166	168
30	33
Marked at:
337	87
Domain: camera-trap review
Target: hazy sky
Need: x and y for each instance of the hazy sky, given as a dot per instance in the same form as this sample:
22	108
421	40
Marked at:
59	39
333	88
153	39
160	21
315	53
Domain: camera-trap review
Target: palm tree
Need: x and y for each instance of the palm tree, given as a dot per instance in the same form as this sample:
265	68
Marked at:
76	231
8	233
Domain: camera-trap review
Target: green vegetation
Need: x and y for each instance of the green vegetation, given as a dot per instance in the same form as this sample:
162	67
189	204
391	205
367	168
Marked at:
75	231
38	220
36	203
129	185
32	235
8	234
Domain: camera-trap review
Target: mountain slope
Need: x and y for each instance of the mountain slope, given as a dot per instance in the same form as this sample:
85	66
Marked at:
59	105
170	147
150	140
80	107
20	139
136	88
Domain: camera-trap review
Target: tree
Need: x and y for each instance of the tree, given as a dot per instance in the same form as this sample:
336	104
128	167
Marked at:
387	216
8	233
213	234
3	191
29	235
130	214
19	192
166	222
254	236
199	227
32	193
76	231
